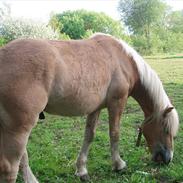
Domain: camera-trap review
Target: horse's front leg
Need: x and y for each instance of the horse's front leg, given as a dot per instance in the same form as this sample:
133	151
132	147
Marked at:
28	176
115	109
90	128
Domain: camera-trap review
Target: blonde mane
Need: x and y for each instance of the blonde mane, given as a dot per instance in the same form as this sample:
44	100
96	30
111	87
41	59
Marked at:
150	80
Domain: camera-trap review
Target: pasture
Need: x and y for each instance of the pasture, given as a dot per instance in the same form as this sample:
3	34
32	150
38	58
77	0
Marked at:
53	145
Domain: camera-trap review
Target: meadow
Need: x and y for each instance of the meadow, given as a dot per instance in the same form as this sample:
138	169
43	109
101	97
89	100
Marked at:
54	144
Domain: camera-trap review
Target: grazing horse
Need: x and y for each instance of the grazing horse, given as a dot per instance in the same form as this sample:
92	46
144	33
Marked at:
75	78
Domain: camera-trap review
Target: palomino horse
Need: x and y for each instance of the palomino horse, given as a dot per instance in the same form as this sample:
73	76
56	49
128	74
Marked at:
74	78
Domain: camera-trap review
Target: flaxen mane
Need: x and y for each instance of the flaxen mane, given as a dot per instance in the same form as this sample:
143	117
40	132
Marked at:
154	87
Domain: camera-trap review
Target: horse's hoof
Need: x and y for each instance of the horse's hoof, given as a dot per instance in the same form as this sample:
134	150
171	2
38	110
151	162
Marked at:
85	178
119	165
121	171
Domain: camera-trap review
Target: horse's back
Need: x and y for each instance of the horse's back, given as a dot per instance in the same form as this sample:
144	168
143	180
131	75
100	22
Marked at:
85	71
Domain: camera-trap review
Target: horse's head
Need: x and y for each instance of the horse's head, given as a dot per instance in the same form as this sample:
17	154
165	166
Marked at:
159	131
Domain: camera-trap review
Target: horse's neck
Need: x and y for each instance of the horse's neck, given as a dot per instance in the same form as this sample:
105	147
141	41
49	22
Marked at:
147	89
141	95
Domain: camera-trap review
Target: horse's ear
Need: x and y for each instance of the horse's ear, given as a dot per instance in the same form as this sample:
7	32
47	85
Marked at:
167	110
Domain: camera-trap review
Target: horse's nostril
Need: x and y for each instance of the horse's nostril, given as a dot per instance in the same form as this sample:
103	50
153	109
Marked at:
158	158
161	157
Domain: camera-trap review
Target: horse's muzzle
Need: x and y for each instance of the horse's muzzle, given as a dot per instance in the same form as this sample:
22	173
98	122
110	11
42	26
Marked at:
162	155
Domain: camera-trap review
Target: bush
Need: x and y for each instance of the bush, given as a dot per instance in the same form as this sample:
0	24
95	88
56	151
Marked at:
64	37
21	28
3	41
88	34
173	43
139	43
81	23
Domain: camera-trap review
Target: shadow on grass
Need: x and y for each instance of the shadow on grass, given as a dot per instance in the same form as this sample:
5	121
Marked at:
173	57
163	57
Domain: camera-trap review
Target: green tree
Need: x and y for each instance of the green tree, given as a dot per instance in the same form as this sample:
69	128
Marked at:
175	21
80	23
142	16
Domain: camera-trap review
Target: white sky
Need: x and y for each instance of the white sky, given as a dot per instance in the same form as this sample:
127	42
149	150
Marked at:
41	9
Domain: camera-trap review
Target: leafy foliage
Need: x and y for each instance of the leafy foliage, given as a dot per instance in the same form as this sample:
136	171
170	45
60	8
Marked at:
175	21
12	28
141	17
79	23
153	26
3	41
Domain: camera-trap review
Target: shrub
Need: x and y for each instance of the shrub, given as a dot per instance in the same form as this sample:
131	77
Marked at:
88	34
12	28
3	41
173	43
81	23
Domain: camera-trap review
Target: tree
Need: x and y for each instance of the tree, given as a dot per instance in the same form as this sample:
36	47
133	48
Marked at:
80	23
175	21
141	16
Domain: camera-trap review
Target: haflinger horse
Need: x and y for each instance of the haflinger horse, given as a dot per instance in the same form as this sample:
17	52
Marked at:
75	78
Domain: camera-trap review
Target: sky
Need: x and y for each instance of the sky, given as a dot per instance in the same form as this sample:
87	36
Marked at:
41	9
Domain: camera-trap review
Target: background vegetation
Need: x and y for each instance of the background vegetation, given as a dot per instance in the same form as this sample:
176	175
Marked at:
81	23
151	27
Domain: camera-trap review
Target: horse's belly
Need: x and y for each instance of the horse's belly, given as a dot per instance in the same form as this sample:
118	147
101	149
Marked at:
79	91
75	106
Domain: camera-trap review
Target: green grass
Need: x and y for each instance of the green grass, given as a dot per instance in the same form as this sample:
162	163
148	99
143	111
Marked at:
53	145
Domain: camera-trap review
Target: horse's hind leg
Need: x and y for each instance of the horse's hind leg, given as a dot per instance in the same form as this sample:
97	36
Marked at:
28	176
115	109
90	128
11	150
18	115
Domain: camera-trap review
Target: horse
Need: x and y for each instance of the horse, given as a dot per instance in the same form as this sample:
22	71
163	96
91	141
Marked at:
76	78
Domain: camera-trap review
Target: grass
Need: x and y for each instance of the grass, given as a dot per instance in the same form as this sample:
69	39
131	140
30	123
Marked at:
54	144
